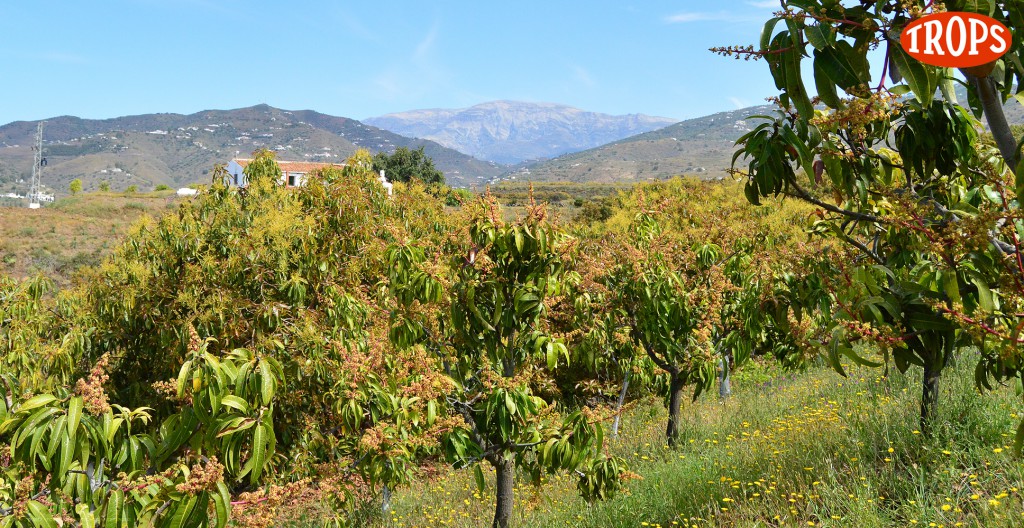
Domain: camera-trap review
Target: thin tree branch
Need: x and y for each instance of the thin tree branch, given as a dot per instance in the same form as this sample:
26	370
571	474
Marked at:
801	194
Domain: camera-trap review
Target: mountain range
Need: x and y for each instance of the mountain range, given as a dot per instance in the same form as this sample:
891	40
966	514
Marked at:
175	149
702	146
512	132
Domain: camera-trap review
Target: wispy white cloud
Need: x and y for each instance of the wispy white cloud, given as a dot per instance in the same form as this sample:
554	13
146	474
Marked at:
355	27
702	16
705	16
680	18
419	73
583	76
388	85
739	103
426	46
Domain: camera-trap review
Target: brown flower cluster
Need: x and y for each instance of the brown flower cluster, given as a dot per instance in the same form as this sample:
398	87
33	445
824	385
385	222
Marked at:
91	389
194	342
162	479
865	108
202	477
265	507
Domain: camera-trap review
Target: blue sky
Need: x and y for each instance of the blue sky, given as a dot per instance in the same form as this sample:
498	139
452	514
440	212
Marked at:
362	59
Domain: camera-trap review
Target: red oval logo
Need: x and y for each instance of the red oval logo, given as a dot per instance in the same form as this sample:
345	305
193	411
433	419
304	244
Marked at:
955	39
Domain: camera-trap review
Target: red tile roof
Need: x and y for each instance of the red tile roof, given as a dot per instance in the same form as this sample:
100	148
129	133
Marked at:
304	167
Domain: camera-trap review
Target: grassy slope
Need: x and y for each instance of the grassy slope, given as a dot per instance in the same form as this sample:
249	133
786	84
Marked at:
803	450
76	231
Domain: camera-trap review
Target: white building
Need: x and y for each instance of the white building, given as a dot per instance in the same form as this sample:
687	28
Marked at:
293	173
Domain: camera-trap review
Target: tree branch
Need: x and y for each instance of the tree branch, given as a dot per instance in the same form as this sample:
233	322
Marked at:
992	104
801	194
864	249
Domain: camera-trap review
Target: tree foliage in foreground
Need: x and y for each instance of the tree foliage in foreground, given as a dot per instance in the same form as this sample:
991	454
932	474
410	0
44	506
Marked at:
928	214
247	351
235	348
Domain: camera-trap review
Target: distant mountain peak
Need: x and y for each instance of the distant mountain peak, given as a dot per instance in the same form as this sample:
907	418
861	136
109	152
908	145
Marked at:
511	132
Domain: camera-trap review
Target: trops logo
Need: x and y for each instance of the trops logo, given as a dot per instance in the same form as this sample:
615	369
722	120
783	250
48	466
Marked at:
956	40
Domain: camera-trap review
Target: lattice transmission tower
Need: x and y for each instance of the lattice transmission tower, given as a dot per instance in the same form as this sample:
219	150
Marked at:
38	162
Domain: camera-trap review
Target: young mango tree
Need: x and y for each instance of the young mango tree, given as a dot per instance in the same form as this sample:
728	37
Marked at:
926	212
606	361
494	345
665	313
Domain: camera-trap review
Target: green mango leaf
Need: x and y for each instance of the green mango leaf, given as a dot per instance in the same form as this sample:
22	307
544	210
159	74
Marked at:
795	84
112	509
183	512
917	75
41	517
267	383
258	456
819	35
841	65
222	504
35	402
236	403
478	475
1018	439
85	515
825	87
950	285
74	414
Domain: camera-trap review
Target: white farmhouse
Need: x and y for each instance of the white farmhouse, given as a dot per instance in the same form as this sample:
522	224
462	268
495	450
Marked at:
293	173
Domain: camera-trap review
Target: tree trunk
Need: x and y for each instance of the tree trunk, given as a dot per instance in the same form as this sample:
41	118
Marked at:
674	402
930	393
724	386
504	492
385	501
992	103
618	406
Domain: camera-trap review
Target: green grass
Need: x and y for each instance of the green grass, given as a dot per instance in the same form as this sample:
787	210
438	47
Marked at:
805	449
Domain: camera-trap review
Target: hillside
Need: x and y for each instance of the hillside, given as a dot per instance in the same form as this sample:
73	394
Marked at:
74	232
703	146
512	132
175	149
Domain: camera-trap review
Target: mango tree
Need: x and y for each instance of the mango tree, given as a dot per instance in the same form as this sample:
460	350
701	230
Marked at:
495	346
243	325
927	213
665	313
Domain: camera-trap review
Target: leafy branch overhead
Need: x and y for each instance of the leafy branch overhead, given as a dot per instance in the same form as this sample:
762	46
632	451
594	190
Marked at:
925	207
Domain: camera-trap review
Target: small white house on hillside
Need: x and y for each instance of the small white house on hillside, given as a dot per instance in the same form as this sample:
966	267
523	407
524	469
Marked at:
293	173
